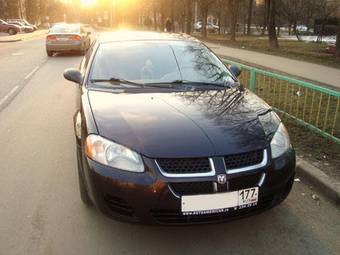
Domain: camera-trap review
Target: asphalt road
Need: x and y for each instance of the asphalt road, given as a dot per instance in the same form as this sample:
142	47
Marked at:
40	209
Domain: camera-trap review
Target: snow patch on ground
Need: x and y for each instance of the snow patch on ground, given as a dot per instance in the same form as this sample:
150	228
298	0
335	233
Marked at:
309	38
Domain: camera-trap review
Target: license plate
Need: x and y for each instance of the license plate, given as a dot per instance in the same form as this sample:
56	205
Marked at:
220	202
62	39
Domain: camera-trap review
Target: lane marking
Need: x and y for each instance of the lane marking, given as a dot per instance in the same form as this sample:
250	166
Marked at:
31	73
12	94
3	100
17	54
8	95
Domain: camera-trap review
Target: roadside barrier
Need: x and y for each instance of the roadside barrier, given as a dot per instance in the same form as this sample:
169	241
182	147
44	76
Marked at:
313	106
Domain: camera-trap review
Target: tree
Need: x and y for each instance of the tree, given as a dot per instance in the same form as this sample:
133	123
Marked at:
250	15
338	42
233	12
326	10
293	11
32	10
188	16
273	42
204	8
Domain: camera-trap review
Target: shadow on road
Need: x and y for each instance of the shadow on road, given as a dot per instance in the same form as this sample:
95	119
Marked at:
68	54
277	231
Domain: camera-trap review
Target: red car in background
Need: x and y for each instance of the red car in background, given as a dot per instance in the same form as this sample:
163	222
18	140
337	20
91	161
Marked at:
9	28
331	48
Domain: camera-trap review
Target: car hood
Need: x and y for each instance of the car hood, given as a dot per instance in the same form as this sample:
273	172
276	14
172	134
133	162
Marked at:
182	124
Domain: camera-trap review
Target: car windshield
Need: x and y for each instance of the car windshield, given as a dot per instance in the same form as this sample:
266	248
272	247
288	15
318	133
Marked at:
159	62
67	29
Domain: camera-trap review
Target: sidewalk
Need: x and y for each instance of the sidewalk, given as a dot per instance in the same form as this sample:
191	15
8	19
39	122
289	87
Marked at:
322	75
4	38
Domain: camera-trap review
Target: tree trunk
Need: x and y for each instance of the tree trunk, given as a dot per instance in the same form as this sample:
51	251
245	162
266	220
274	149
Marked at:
172	9
337	54
265	16
154	15
296	32
279	25
219	16
250	16
188	16
204	21
162	25
273	42
233	18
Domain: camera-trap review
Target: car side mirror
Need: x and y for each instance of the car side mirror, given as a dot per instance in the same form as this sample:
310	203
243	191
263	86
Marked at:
73	75
235	70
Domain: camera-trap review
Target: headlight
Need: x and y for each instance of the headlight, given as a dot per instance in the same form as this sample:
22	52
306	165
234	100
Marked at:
280	142
112	154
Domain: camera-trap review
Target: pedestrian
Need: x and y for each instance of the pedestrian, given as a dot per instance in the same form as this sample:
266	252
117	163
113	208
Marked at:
168	25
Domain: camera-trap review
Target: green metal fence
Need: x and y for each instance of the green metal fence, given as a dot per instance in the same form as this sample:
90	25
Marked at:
313	106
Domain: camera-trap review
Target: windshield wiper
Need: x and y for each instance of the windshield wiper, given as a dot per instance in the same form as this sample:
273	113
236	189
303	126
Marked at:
142	85
193	83
118	81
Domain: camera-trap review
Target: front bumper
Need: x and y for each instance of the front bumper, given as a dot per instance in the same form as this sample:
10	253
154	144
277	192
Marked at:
148	198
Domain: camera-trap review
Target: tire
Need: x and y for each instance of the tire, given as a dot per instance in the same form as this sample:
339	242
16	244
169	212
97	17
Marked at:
49	53
12	31
82	187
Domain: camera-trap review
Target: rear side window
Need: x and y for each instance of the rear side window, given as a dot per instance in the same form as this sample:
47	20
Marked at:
67	29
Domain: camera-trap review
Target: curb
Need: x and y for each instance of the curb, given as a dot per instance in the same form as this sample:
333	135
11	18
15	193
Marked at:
8	41
322	182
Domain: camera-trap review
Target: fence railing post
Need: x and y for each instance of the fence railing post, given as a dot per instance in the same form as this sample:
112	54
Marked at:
313	108
252	80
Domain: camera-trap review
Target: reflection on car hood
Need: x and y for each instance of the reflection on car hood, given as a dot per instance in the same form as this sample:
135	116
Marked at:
185	124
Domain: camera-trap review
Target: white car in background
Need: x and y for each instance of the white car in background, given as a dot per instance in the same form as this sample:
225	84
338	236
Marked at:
211	28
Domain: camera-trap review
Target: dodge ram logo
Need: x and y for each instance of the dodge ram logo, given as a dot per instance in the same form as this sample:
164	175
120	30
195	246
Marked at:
221	179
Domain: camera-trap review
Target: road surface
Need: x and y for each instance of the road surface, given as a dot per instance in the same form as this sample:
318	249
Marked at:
41	212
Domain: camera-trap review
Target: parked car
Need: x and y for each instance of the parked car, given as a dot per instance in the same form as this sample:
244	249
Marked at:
9	28
67	37
331	48
166	134
23	27
23	21
211	28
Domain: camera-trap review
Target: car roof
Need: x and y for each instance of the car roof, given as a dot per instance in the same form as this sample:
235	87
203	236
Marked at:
119	36
66	24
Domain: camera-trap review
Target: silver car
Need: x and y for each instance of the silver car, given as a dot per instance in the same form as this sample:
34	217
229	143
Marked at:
25	28
68	37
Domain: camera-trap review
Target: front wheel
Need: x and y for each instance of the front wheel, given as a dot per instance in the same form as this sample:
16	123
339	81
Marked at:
82	187
49	53
12	31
